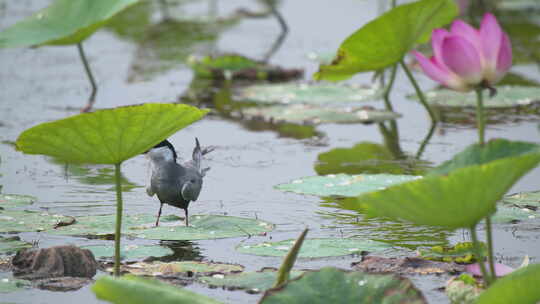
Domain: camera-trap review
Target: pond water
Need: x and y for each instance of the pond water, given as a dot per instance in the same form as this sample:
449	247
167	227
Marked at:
38	85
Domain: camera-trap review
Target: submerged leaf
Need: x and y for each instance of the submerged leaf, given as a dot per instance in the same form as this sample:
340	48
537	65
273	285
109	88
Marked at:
63	22
314	115
172	268
344	184
316	93
330	285
315	248
385	40
8	285
108	136
135	290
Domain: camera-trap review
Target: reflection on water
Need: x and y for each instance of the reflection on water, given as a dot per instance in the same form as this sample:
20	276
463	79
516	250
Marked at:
401	234
183	251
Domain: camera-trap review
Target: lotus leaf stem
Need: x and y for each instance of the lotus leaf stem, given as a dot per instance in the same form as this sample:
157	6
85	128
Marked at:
426	140
118	228
479	256
480	120
288	263
419	92
489	238
92	98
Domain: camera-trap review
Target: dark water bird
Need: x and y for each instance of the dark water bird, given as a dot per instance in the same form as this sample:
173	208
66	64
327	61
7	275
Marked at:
175	184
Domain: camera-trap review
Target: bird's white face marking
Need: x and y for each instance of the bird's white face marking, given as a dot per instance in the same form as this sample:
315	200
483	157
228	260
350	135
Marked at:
161	154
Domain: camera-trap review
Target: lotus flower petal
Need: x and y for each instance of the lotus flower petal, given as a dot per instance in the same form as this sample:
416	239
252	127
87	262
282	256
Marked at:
437	38
438	72
468	32
491	36
500	269
461	57
504	61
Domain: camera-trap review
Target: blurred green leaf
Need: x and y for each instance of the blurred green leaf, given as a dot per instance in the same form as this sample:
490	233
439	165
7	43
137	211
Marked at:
459	200
520	286
331	285
63	22
134	290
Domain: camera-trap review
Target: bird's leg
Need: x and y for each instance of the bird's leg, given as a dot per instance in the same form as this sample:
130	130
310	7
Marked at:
187	222
159	214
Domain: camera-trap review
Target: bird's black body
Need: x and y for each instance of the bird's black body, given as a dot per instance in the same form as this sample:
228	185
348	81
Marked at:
175	184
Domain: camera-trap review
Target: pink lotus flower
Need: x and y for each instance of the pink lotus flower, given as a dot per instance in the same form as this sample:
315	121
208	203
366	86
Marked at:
466	57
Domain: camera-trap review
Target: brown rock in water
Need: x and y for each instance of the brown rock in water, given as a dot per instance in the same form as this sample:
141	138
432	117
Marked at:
59	261
408	265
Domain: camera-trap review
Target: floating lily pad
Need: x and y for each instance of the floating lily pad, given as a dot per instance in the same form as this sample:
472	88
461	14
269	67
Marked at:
330	285
344	184
507	97
12	245
254	281
316	93
306	114
129	252
366	157
506	214
205	227
160	268
15	200
238	67
8	285
27	221
314	248
63	22
523	199
202	227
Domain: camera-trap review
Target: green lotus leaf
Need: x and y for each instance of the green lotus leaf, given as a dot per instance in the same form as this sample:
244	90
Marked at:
456	200
28	221
201	227
344	184
478	155
129	252
506	97
314	248
160	268
385	40
15	200
135	290
315	94
108	136
63	22
365	157
11	245
254	281
330	285
520	286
